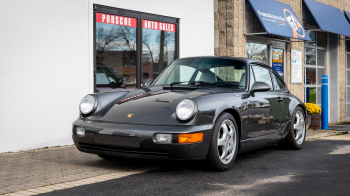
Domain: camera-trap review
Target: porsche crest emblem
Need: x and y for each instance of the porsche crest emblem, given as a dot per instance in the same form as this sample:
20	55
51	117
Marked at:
130	115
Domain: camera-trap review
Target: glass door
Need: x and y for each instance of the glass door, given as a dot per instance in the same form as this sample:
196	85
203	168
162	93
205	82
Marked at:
278	61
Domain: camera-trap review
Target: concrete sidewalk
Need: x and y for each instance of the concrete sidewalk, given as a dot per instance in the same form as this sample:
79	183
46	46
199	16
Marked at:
345	126
45	170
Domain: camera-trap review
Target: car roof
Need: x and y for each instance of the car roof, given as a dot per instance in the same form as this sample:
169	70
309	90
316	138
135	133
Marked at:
229	57
248	61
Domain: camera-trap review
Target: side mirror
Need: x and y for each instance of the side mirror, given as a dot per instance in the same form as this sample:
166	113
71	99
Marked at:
260	87
120	81
148	82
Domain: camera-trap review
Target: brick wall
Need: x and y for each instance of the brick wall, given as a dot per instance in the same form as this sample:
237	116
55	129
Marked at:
231	41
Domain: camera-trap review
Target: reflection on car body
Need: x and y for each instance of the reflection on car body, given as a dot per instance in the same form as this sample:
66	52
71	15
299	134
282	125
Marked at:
206	108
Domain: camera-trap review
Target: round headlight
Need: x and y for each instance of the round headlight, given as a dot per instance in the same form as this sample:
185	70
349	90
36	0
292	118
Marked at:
185	109
88	104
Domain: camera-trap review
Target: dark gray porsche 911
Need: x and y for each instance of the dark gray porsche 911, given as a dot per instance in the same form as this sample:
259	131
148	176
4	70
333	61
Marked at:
207	108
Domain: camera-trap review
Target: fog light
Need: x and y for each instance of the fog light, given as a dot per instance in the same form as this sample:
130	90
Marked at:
190	138
163	138
80	131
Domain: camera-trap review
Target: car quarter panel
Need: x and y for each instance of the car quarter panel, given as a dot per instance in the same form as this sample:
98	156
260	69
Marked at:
290	102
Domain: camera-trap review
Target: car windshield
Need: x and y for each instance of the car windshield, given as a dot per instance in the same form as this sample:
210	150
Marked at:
194	71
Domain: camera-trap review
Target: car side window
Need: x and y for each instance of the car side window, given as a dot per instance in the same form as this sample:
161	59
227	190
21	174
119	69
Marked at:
252	79
277	83
262	75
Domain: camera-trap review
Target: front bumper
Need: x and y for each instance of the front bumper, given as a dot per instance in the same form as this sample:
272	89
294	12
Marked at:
137	140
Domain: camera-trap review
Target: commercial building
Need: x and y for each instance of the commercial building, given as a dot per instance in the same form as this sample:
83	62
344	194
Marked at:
275	31
55	52
49	50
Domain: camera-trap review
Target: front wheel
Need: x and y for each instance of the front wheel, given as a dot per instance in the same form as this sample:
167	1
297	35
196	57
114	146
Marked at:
224	143
296	136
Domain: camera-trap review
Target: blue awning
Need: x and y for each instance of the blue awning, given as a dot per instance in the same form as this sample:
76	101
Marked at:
279	19
328	18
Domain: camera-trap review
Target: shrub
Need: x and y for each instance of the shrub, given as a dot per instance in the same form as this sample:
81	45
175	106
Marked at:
313	108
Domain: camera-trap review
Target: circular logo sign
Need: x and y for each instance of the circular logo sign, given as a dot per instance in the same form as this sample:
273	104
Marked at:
294	23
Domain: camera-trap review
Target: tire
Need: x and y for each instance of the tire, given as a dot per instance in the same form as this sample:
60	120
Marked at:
221	155
297	132
107	157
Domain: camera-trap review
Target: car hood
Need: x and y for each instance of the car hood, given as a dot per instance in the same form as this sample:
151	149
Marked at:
152	105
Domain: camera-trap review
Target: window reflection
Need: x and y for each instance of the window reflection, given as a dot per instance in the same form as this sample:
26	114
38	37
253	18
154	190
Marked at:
257	52
262	75
158	50
116	51
310	56
310	75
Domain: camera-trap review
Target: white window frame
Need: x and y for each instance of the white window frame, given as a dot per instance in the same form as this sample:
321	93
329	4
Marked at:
317	86
346	79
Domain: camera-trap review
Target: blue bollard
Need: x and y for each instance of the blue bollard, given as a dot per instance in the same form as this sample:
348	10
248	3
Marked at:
324	98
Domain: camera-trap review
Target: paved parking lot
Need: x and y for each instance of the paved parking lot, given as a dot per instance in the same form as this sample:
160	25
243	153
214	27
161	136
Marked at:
46	170
28	170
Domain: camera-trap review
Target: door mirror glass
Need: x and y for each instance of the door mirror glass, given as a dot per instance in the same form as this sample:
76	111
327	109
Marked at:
260	87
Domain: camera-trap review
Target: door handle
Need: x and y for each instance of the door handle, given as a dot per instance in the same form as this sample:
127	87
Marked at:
279	99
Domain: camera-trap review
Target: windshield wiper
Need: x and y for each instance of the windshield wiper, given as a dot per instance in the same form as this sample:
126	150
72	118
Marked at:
173	83
215	83
207	83
229	83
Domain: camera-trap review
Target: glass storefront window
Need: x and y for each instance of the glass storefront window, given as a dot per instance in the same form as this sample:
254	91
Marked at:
310	54
130	48
312	35
315	66
310	75
310	95
158	47
321	58
320	72
116	49
321	39
348	61
318	97
257	52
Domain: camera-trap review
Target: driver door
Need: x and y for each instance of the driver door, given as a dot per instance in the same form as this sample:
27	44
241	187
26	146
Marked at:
264	110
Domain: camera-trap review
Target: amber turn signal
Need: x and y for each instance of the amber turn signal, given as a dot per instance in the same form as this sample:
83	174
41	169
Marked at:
190	138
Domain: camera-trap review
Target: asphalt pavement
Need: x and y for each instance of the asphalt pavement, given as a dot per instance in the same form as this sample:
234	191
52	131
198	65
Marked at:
321	167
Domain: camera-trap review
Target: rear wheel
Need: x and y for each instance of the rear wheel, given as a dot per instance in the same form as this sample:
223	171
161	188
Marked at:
224	143
296	136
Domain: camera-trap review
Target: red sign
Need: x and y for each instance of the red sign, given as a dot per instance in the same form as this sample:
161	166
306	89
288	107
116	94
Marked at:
116	20
149	24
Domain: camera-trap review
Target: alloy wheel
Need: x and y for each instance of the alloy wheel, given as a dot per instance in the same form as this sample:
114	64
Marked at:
299	127
226	142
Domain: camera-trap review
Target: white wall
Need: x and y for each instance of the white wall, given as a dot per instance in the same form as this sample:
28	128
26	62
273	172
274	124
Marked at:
46	61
